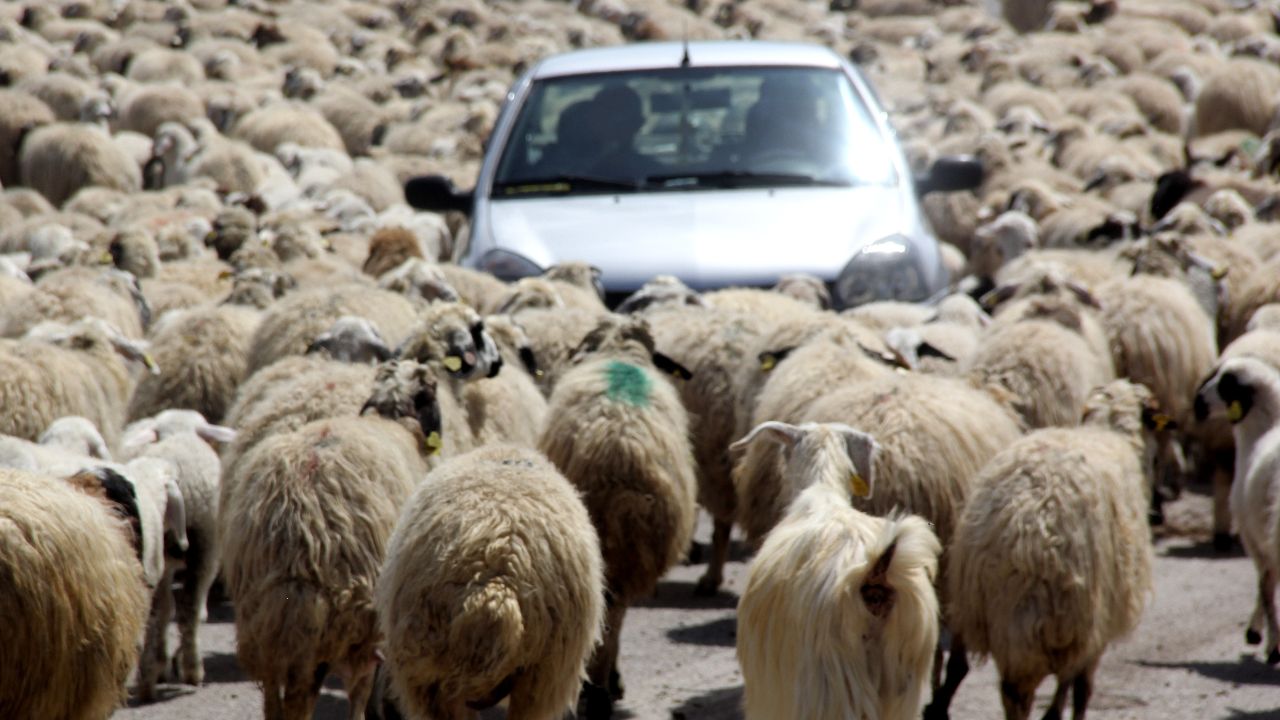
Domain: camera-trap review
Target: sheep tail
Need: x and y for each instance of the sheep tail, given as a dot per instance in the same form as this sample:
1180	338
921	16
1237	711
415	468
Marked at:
491	615
283	623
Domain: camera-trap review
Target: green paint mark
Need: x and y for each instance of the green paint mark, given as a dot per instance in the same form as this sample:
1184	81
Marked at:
628	384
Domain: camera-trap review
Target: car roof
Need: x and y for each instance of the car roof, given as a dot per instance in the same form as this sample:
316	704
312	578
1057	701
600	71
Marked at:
715	53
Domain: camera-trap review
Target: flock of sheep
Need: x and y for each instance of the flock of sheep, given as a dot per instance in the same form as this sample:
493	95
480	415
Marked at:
231	350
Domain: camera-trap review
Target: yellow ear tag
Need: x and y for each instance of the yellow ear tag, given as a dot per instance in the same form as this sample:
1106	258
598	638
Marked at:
1218	272
452	363
859	486
150	363
768	362
434	443
1161	422
1235	412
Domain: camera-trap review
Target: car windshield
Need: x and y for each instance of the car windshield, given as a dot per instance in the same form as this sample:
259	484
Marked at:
692	128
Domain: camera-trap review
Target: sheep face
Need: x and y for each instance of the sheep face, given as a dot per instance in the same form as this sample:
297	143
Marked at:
626	338
529	294
453	336
661	290
405	391
416	277
88	335
352	340
820	452
1234	388
1002	240
580	274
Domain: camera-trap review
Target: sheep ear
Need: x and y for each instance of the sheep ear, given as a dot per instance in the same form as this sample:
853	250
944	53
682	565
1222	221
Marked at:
143	433
530	361
1083	295
877	594
994	298
780	432
175	515
667	365
215	433
135	350
862	450
427	409
770	358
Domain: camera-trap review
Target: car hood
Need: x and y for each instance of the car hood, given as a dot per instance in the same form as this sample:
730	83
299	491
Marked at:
707	238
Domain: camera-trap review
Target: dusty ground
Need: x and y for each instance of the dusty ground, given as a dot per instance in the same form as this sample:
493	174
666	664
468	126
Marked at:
1187	660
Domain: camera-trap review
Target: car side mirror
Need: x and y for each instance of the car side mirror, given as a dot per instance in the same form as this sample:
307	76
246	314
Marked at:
437	194
951	174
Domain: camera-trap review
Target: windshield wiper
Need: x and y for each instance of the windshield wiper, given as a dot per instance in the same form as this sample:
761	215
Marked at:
741	178
564	184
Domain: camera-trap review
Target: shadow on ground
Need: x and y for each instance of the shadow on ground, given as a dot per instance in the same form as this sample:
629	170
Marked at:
677	594
719	704
1248	671
721	632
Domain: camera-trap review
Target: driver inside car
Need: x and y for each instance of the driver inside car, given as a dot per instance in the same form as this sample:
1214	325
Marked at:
784	125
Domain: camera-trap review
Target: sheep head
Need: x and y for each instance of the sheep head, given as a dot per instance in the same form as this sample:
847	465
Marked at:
406	392
453	336
93	335
659	291
579	274
626	338
352	339
416	277
1236	389
833	454
513	341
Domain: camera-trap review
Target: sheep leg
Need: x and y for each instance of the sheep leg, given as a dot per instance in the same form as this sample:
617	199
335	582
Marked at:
191	601
1267	590
1253	635
710	583
272	707
1059	703
1082	690
604	684
957	668
1221	508
155	650
1017	698
300	701
358	691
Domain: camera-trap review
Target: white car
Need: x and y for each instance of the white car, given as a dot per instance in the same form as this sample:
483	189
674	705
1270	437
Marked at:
721	163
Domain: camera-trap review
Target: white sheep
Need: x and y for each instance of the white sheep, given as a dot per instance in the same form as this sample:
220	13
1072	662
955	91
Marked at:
74	599
526	626
1247	391
1051	559
617	430
839	617
182	437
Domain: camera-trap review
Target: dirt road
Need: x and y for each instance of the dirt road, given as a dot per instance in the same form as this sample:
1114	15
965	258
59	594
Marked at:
1187	660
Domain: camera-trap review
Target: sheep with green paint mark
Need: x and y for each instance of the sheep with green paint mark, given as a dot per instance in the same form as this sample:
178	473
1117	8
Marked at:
617	430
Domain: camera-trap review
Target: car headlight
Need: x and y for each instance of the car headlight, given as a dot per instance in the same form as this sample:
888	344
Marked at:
892	268
508	266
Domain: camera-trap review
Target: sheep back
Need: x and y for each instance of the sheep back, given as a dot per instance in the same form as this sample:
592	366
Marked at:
72	594
619	433
493	575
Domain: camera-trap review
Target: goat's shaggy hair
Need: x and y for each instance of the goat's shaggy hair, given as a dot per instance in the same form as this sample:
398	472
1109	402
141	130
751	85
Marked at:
303	543
493	585
839	617
73	599
617	430
1051	560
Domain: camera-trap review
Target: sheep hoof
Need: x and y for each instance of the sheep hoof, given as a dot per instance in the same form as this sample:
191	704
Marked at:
1223	542
934	711
1273	658
1252	637
695	554
616	688
707	587
594	703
